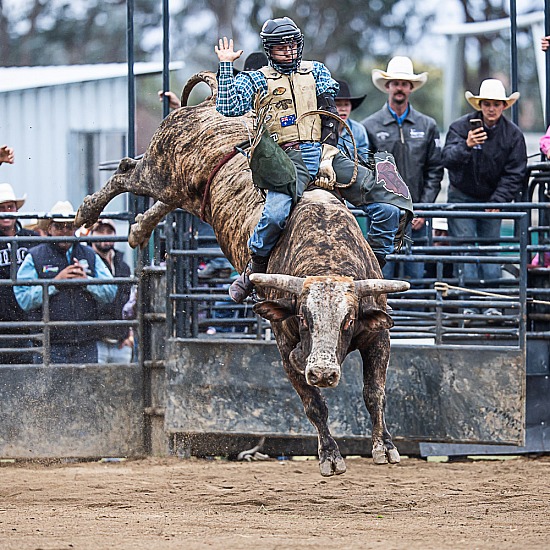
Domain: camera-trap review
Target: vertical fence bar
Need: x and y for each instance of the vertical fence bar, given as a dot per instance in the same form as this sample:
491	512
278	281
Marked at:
165	55
181	233
514	55
547	60
131	78
192	265
169	240
46	346
524	241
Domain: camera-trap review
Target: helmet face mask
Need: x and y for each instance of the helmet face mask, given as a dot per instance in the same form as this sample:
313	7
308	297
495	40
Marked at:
283	43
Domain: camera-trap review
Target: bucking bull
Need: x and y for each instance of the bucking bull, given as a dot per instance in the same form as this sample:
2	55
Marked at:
324	293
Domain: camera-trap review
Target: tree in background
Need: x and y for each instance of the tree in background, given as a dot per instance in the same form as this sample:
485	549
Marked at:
58	32
350	36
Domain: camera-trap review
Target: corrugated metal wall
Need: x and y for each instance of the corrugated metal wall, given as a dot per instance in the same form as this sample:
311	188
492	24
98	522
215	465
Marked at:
38	123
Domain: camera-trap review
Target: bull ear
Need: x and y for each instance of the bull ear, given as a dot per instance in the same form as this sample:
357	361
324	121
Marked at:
375	319
275	310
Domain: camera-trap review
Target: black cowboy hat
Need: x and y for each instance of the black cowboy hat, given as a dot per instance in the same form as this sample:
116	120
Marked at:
344	93
255	61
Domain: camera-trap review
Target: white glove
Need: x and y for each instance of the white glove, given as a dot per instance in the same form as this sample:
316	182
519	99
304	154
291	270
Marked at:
326	177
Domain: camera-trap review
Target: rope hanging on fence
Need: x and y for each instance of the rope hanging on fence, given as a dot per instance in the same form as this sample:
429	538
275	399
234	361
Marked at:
444	288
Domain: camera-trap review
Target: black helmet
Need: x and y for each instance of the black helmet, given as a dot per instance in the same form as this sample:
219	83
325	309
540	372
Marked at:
280	31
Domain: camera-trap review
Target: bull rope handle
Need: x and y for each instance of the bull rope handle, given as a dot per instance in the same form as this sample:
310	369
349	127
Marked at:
355	157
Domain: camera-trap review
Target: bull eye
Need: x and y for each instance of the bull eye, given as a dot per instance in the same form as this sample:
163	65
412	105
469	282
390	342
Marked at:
348	323
303	321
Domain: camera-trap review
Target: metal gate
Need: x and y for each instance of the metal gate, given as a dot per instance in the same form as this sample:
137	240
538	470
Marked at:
65	410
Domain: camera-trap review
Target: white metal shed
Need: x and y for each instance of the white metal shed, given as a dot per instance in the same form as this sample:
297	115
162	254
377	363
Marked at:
62	122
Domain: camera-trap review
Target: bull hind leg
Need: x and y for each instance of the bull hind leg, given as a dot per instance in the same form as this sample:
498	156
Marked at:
140	232
330	459
92	205
375	364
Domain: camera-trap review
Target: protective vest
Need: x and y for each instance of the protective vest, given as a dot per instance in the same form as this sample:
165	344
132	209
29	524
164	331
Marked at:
70	303
290	96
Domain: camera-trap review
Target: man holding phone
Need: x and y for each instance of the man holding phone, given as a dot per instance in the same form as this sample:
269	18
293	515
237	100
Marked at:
486	158
60	260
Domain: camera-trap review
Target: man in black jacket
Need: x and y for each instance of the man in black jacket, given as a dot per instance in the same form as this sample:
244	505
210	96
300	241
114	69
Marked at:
412	138
10	259
487	162
115	344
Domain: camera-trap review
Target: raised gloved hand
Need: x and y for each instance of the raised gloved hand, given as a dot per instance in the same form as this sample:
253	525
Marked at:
326	177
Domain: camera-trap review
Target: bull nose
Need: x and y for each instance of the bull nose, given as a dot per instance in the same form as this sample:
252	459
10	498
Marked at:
323	377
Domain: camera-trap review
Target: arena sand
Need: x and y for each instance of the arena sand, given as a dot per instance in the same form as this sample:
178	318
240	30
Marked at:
192	504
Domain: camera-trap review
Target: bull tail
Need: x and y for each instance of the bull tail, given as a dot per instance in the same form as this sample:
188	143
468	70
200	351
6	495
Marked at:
206	77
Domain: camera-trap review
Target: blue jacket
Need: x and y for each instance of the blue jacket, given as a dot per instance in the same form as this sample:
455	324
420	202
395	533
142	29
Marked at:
361	140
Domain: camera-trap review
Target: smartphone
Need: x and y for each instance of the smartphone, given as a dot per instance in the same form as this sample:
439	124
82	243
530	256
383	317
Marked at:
476	123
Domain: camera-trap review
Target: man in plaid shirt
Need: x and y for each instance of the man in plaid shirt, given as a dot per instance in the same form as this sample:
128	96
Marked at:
290	87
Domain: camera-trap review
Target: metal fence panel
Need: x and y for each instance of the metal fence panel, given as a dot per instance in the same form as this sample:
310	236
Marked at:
77	411
432	394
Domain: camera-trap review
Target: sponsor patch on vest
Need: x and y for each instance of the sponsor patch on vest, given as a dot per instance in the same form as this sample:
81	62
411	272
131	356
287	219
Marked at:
50	269
279	91
389	177
417	134
288	120
283	105
382	136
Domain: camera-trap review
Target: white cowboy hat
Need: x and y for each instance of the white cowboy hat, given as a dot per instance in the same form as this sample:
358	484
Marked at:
399	68
103	221
8	195
492	88
440	224
65	208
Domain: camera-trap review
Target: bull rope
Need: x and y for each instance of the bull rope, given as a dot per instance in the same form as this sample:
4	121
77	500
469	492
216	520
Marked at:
444	289
336	185
206	194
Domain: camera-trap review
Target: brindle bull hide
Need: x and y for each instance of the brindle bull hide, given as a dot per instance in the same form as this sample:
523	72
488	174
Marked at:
324	293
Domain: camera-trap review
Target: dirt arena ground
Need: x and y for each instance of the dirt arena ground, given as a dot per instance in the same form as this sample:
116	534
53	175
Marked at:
170	503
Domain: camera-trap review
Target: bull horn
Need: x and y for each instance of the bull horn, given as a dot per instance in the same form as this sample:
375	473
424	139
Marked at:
287	283
368	287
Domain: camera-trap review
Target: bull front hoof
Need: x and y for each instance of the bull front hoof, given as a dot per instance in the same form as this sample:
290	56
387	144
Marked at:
332	464
88	213
379	455
138	236
393	456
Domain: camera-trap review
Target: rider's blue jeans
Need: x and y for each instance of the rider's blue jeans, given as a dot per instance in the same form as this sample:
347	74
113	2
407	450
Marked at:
272	222
383	218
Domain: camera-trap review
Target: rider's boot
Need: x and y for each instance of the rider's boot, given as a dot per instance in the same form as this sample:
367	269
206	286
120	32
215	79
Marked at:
242	287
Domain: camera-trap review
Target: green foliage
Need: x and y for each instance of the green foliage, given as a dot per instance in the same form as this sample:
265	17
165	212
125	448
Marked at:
47	32
350	36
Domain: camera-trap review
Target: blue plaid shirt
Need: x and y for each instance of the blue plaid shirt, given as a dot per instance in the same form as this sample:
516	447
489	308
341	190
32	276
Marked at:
236	93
